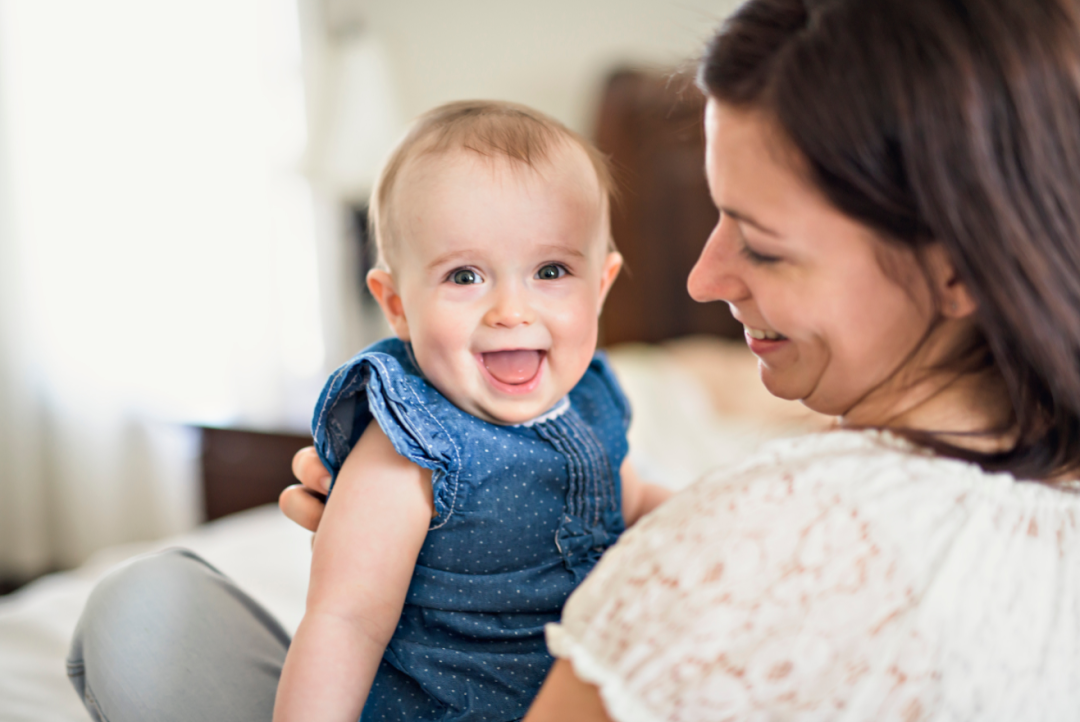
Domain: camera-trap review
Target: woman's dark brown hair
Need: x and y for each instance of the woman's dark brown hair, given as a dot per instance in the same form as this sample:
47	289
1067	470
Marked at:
948	121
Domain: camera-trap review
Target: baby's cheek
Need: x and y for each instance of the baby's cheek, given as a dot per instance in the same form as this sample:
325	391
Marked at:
438	353
580	345
580	319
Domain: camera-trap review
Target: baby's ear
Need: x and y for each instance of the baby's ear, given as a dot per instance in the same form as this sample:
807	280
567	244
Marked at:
612	265
381	285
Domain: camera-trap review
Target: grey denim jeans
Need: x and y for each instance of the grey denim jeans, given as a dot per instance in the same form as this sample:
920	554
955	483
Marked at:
169	638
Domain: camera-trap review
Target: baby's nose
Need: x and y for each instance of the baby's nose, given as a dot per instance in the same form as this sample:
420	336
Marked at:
510	308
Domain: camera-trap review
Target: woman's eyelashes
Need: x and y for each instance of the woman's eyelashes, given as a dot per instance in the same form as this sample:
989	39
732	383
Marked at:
748	252
758	259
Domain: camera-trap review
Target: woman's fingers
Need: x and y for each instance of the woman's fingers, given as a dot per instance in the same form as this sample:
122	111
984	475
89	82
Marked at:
305	502
309	469
302	506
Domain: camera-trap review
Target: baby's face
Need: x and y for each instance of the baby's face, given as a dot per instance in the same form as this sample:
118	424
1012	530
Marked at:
498	277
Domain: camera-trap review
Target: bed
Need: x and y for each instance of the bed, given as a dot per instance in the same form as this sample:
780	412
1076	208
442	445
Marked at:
693	385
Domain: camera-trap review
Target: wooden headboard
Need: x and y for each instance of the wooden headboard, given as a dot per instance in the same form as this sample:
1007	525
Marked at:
244	469
651	126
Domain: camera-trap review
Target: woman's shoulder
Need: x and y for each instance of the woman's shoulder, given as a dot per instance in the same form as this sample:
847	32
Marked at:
895	502
859	466
829	572
841	454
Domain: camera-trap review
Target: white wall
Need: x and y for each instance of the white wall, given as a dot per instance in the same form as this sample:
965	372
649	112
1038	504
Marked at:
553	55
157	259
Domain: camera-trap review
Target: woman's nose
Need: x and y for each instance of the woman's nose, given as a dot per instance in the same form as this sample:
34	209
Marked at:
510	307
715	276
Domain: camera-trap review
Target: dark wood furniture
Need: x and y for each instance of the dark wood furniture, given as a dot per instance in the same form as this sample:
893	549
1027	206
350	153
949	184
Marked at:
243	469
651	126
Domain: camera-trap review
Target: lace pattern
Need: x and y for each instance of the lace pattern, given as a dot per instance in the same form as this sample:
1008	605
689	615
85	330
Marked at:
840	576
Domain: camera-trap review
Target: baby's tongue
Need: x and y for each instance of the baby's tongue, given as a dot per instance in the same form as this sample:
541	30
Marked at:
512	367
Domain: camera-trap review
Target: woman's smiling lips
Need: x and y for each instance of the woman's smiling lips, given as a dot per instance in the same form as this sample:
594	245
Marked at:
513	371
762	341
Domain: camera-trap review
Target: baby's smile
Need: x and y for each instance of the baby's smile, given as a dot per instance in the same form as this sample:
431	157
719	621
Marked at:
514	371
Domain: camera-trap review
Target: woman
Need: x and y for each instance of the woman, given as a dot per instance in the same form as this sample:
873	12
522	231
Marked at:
900	193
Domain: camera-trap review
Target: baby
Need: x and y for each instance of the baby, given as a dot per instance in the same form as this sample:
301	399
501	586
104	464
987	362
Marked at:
494	475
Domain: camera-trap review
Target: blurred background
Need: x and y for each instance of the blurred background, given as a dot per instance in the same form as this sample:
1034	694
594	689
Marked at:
180	183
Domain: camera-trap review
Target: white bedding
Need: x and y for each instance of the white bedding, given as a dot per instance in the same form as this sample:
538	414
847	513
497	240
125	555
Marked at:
267	555
696	406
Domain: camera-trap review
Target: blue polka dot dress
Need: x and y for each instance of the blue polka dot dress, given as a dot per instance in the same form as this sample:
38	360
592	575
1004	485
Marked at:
523	513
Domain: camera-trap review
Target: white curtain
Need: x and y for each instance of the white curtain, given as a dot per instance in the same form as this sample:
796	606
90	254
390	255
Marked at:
157	259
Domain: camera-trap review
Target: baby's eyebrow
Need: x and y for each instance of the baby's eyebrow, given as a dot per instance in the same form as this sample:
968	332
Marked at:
568	250
467	253
452	256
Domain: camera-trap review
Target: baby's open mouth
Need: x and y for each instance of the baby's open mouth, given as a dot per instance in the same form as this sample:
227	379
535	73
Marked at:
516	366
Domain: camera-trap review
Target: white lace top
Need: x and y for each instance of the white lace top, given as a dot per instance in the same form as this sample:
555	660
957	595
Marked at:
839	576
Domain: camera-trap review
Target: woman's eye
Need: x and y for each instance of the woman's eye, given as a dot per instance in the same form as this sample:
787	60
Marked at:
759	259
465	277
550	272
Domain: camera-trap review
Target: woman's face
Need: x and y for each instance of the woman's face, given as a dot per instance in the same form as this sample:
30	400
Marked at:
836	317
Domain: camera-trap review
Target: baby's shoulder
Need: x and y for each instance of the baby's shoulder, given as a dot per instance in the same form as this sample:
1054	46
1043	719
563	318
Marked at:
386	371
383	384
599	397
390	358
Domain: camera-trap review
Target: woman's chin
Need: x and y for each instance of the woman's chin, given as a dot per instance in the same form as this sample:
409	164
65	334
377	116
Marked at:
782	385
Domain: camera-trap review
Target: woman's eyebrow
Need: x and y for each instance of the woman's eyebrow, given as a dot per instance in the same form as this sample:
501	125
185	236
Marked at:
744	218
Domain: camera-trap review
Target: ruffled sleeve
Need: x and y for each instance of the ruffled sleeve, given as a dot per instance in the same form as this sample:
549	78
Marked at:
374	385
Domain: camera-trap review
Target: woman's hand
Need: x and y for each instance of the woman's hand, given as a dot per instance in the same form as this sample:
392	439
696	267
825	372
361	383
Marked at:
305	502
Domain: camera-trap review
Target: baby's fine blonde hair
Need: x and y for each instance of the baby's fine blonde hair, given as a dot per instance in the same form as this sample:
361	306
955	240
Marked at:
487	127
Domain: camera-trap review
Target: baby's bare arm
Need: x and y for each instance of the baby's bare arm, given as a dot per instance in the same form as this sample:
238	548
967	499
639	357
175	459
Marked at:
375	523
639	497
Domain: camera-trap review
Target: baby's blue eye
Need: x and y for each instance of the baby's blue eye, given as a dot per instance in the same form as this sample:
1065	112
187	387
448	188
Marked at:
465	276
550	272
